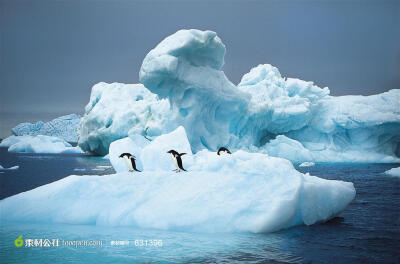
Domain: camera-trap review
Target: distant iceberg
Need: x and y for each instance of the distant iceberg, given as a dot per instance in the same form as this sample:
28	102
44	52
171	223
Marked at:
38	144
64	127
265	112
242	192
393	172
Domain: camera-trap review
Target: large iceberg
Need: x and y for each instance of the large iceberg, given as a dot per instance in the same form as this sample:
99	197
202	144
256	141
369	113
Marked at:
284	117
38	144
117	110
245	192
64	127
186	69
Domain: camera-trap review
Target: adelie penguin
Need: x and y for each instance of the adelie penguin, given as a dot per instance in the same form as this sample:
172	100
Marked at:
176	158
223	151
130	161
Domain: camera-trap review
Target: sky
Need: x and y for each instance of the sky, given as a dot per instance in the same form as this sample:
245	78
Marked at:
53	51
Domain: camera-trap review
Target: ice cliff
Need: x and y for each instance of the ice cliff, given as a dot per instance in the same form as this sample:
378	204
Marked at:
64	127
242	192
265	112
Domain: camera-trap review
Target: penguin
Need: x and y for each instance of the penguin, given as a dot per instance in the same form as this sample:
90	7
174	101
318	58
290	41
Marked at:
223	151
130	161
176	158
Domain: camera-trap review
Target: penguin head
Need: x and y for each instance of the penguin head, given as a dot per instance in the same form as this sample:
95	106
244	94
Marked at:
126	154
173	152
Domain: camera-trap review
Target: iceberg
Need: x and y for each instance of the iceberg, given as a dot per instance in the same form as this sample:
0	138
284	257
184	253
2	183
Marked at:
265	109
38	144
117	110
64	127
11	140
242	192
393	172
186	68
183	85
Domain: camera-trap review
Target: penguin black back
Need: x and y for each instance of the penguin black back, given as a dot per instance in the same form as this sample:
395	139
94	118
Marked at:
223	150
130	160
177	159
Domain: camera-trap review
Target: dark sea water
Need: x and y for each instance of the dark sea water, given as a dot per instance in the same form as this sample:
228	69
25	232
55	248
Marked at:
368	231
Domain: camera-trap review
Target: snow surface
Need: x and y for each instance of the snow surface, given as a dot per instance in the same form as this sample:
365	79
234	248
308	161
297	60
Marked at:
265	112
126	145
38	144
151	156
393	172
65	127
245	192
307	164
117	110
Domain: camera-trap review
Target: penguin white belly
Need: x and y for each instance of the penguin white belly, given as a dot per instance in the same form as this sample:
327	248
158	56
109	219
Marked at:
174	161
128	163
223	153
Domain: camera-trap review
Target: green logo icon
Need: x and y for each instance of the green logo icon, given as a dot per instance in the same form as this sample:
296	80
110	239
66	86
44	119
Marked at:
19	241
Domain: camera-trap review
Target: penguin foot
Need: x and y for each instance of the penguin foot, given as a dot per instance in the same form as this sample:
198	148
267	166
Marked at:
130	170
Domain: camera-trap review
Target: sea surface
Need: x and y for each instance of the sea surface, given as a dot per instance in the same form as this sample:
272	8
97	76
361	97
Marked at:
368	231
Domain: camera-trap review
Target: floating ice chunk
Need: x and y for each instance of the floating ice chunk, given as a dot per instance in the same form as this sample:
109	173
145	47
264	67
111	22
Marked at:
393	172
307	164
11	168
38	144
246	192
117	110
64	127
79	169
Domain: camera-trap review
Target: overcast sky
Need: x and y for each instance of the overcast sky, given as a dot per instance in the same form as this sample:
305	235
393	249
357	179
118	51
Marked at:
52	52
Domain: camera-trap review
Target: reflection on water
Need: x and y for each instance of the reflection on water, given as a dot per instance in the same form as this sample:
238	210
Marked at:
176	246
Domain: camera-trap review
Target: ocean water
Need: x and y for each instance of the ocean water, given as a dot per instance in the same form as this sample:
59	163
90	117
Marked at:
368	231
